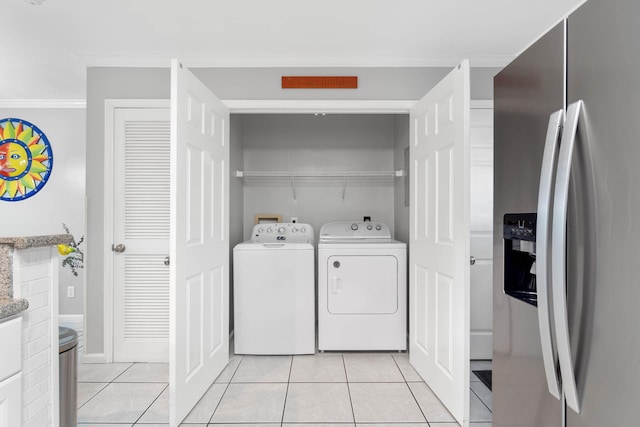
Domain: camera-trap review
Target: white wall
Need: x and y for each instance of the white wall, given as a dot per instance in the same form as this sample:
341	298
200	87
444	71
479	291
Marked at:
373	82
61	200
305	142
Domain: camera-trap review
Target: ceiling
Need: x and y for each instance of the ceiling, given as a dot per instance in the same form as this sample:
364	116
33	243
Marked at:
51	44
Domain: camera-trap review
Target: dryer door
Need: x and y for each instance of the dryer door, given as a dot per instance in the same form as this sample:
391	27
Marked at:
360	284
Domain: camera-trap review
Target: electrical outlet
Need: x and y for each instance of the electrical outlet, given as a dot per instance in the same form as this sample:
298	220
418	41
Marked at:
71	292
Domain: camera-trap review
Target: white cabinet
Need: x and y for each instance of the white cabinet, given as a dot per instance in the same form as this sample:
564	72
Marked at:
10	375
11	401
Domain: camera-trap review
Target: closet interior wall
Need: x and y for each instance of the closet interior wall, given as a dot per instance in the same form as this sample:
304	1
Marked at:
320	143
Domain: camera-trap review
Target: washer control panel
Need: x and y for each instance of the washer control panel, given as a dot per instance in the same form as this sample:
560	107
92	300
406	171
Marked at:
354	230
284	232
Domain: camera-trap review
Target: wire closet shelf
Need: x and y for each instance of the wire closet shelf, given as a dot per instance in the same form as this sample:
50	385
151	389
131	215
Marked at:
319	175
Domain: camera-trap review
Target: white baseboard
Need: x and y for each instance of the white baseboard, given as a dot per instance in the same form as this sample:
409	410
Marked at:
76	322
71	320
481	345
93	358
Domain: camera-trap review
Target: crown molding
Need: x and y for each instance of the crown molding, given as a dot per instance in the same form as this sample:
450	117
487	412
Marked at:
290	62
281	106
310	106
43	103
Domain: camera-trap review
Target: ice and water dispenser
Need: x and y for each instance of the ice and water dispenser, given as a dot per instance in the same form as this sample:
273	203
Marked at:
519	233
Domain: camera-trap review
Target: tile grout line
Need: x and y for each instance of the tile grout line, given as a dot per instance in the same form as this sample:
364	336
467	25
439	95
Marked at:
346	375
150	405
122	373
482	401
94	395
107	384
481	367
410	390
398	366
286	393
415	399
225	390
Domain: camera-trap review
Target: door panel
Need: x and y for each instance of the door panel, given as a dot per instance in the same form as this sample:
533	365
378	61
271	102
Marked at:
362	284
602	278
527	92
439	264
199	241
141	224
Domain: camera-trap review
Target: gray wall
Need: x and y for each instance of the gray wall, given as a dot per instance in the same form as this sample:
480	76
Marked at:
236	197
401	212
305	142
107	83
245	83
61	200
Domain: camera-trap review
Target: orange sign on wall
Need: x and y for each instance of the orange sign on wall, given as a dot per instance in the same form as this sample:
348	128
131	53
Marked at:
319	82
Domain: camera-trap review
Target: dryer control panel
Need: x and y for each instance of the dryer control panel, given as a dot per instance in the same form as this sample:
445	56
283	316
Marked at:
282	232
344	230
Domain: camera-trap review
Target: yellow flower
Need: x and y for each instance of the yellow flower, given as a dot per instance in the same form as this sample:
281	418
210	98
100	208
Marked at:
65	250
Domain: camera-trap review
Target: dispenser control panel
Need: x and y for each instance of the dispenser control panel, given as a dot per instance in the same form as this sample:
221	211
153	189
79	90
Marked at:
520	226
519	234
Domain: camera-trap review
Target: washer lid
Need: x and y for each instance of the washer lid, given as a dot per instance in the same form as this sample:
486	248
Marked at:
273	246
357	240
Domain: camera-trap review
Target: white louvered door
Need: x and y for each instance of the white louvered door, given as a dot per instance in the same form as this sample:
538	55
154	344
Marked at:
141	224
439	230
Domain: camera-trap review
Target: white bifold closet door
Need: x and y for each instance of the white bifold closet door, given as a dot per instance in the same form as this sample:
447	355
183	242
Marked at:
439	241
199	241
141	225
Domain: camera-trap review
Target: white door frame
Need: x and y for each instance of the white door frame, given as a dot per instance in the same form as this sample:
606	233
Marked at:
480	346
268	106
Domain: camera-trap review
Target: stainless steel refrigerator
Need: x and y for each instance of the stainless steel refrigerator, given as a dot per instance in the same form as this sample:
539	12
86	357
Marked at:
567	225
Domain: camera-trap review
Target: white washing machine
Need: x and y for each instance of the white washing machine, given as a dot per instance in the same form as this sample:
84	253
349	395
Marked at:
274	290
362	288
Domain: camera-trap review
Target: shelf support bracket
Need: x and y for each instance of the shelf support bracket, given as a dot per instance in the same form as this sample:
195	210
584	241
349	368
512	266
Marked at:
293	185
344	186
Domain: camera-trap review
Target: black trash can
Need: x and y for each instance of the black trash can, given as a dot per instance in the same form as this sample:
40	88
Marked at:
68	359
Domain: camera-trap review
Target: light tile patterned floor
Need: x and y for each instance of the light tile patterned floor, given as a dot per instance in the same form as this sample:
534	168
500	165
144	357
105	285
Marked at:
350	389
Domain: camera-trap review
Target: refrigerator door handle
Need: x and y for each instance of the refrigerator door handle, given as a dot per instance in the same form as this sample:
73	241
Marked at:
558	254
549	158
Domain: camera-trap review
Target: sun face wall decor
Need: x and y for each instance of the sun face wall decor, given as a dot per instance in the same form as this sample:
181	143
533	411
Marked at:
26	159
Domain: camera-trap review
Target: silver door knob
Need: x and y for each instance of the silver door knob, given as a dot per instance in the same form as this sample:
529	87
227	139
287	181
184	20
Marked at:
167	261
472	260
118	248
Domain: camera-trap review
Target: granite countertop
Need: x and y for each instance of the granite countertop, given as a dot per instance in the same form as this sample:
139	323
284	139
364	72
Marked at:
36	241
9	305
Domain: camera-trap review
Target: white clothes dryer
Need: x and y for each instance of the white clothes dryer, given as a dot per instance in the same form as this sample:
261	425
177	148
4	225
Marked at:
274	290
362	288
